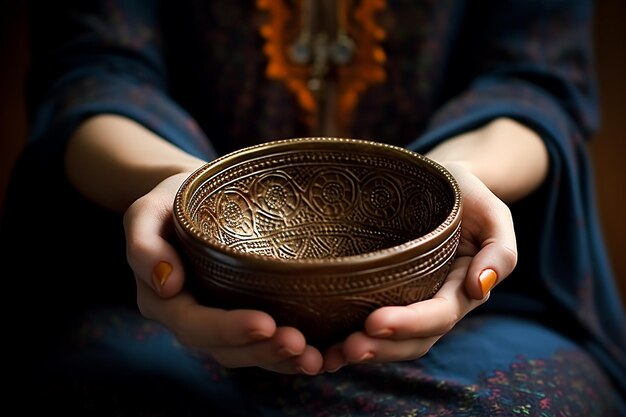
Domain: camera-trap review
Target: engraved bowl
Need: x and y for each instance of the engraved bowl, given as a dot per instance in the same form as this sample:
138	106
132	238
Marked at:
318	232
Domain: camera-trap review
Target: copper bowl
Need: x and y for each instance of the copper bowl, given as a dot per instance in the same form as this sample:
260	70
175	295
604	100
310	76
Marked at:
318	232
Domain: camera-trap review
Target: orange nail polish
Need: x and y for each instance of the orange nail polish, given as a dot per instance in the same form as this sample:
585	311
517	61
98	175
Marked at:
160	274
487	279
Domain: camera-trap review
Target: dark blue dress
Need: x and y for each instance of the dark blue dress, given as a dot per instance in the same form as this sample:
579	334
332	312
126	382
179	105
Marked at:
551	341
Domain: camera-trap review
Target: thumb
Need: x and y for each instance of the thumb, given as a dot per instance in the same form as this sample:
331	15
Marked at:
148	224
487	235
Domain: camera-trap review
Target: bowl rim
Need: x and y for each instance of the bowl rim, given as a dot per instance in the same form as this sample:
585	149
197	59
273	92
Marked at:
189	234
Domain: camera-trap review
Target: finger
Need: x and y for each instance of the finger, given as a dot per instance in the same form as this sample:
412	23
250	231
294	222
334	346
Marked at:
497	256
334	358
198	326
237	338
286	344
360	348
489	267
285	353
148	226
308	363
433	317
488	227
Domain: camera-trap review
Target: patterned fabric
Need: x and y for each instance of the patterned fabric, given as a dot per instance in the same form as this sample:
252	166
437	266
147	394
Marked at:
475	370
552	341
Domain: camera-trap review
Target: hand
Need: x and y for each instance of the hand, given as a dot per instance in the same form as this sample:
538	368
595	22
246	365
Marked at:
236	338
487	254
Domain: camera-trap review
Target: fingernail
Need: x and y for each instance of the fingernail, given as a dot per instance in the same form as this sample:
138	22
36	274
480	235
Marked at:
487	279
284	351
160	274
301	370
366	356
258	335
382	333
332	371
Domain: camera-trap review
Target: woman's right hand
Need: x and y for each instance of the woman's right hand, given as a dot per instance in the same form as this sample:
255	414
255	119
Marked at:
235	338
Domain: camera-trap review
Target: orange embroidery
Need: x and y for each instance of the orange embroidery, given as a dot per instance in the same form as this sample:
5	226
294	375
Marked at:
308	62
368	65
276	32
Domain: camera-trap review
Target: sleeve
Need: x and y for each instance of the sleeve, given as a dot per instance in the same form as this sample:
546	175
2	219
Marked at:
101	57
533	61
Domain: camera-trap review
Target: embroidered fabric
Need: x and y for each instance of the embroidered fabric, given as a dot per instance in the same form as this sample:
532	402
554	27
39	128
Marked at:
327	52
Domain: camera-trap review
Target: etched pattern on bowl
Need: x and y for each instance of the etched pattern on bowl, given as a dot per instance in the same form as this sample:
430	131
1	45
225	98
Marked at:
319	232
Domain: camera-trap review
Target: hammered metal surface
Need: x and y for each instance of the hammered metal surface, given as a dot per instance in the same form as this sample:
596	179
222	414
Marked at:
301	203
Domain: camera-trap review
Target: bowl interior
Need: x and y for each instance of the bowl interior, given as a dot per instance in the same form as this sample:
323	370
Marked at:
317	198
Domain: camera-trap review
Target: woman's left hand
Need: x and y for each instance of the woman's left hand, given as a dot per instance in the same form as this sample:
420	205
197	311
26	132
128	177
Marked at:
486	255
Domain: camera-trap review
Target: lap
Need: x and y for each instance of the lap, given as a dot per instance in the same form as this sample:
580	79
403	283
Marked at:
488	365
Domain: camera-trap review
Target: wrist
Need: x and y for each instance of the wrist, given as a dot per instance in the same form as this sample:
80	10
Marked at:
508	157
113	161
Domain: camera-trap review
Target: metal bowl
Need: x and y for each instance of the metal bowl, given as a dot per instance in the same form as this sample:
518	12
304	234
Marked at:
318	232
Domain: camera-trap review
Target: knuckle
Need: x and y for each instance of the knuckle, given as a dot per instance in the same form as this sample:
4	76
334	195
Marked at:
420	351
449	322
511	257
135	246
424	351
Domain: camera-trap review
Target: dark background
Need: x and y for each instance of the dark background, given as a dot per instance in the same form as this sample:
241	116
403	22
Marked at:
608	147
